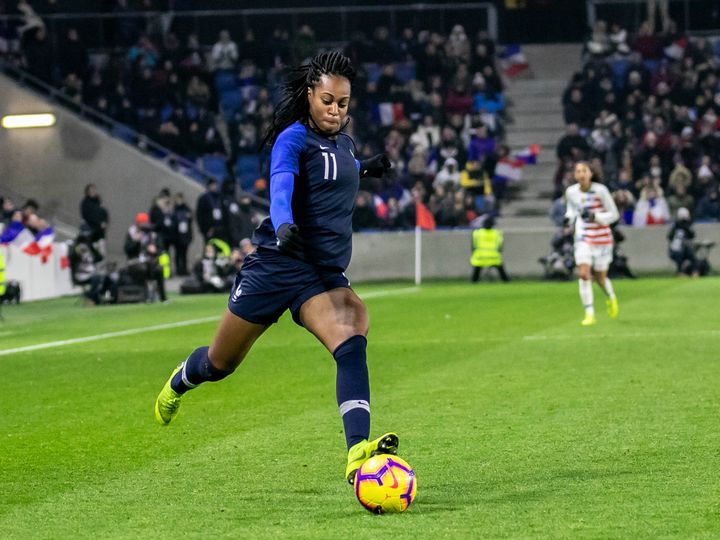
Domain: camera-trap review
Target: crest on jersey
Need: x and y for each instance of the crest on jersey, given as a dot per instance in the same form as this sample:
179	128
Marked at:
238	291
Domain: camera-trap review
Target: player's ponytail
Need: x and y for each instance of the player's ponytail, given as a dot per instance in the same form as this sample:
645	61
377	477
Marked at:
294	104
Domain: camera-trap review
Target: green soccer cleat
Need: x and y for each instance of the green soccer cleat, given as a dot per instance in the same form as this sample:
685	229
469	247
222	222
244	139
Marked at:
612	307
167	402
364	450
589	320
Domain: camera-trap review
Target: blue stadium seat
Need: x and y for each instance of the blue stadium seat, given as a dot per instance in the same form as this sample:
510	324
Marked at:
196	175
124	133
405	71
247	170
166	112
225	81
373	71
191	111
214	166
651	65
230	103
619	69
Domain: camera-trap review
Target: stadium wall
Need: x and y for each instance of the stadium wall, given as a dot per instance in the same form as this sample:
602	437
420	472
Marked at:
53	165
39	277
446	254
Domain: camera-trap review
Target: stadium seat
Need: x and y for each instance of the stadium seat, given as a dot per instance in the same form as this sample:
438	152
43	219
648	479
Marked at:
124	133
214	166
373	71
619	69
166	113
651	65
405	71
230	103
247	170
225	81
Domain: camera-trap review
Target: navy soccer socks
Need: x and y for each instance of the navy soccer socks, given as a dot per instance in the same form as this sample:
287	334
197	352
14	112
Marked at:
353	389
196	370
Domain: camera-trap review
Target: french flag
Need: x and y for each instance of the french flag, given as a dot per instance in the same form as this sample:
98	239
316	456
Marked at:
513	60
15	234
509	168
381	209
529	155
41	244
676	50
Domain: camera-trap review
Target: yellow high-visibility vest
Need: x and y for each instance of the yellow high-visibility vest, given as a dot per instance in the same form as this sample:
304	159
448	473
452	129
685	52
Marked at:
487	247
2	274
222	247
164	262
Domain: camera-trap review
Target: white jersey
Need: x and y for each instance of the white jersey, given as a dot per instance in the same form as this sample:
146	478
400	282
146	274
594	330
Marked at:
598	200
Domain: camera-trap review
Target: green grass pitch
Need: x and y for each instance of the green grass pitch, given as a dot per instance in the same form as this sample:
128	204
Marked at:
519	422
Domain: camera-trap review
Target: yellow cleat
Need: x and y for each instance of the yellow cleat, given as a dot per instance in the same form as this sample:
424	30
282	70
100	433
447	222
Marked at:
612	307
167	403
589	320
364	450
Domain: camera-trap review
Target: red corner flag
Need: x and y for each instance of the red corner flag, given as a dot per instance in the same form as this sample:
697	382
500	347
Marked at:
423	217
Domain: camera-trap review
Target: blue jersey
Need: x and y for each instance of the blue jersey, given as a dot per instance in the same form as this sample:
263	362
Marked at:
326	183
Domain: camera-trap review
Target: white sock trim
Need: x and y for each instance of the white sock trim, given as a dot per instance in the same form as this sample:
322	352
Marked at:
347	406
184	378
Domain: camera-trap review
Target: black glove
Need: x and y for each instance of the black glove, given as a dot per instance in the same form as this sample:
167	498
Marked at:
289	239
587	215
374	166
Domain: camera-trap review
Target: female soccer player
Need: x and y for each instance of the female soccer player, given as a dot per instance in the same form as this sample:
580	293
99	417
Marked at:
303	249
592	209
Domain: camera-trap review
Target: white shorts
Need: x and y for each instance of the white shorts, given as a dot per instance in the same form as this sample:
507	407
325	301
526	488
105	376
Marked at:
598	257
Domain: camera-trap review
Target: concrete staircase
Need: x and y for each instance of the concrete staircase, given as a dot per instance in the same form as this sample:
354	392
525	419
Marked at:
536	115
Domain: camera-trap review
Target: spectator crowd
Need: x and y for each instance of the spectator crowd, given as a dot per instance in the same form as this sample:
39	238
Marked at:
645	110
433	102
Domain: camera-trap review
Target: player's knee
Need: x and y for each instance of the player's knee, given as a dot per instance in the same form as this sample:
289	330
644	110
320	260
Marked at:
361	321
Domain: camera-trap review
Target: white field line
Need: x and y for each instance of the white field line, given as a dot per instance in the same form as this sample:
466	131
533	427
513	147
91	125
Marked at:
133	331
389	292
624	335
98	337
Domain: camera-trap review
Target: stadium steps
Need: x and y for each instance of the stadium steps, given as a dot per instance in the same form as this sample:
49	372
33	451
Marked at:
537	119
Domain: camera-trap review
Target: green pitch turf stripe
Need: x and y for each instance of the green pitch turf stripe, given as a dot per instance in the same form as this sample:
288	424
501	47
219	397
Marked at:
107	335
132	331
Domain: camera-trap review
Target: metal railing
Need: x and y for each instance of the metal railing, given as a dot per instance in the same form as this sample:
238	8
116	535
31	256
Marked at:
100	30
132	137
692	16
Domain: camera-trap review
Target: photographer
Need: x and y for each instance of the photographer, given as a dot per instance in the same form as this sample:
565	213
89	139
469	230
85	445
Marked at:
85	268
144	251
215	270
681	249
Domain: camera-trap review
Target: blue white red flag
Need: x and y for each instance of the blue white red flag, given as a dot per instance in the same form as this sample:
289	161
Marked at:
529	155
513	60
41	244
16	234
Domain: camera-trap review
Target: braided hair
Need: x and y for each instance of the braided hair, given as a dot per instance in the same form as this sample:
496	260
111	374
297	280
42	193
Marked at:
294	104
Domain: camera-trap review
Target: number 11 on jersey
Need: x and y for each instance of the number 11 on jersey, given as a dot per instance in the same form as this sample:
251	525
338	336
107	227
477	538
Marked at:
326	156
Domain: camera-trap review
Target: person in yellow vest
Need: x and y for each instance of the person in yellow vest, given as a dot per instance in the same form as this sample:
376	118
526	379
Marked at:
2	275
487	245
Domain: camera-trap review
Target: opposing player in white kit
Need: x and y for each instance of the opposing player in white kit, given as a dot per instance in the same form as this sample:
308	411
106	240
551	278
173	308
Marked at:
591	209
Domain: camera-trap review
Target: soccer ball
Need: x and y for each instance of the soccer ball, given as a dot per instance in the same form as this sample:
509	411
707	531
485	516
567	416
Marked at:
385	483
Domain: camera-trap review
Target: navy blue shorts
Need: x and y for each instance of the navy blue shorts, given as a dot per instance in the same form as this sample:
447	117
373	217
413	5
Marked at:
270	282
